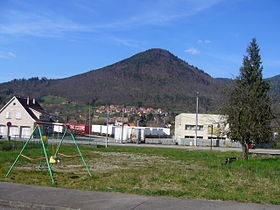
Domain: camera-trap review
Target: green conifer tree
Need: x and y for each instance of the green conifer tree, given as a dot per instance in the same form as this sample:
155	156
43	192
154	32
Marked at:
248	106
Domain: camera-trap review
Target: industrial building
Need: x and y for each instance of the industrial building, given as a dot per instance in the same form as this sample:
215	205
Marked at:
200	126
130	133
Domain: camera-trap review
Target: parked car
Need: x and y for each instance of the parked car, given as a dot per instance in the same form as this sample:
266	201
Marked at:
251	146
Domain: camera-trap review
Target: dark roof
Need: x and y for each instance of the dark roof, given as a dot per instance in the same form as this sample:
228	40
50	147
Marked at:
28	104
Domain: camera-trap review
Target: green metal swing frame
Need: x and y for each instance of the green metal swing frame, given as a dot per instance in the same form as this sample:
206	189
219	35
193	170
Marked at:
38	126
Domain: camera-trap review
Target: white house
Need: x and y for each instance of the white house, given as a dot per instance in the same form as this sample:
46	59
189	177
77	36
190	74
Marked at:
18	116
209	126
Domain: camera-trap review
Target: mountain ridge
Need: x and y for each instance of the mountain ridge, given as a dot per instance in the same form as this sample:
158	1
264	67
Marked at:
149	78
154	78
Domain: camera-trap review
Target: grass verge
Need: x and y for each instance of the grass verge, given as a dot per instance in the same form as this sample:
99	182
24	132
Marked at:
155	171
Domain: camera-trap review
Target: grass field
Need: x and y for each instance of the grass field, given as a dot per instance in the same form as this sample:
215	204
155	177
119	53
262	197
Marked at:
154	171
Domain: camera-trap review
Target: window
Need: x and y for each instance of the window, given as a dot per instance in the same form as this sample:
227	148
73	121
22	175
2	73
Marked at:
189	137
13	131
18	115
192	127
188	127
8	115
192	137
215	137
25	132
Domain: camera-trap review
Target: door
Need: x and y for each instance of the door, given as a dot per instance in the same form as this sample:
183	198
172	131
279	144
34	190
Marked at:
25	132
13	131
3	130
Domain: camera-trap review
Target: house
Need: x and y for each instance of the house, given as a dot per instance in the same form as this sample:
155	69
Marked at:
209	126
18	116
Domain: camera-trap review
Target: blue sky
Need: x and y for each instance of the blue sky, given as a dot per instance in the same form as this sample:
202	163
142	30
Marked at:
57	39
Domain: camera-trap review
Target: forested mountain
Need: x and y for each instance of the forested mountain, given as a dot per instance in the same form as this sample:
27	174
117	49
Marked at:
275	92
153	78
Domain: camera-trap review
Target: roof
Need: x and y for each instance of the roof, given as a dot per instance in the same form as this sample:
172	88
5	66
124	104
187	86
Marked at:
29	105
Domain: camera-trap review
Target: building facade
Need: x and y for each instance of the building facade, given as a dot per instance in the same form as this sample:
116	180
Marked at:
18	116
209	126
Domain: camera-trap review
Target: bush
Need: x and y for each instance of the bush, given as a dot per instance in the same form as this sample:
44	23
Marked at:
6	147
277	144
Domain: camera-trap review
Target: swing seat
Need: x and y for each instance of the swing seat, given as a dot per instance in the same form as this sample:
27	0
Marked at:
63	155
54	160
28	158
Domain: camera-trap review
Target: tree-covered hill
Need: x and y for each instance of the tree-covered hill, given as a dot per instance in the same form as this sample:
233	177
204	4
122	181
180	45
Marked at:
153	78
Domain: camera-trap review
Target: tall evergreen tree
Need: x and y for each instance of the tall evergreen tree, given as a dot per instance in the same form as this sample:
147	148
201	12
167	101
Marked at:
248	106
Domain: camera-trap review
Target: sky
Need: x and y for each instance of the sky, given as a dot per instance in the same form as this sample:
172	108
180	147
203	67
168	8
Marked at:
58	39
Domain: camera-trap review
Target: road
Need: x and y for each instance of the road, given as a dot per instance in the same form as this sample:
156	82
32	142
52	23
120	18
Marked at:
20	196
100	140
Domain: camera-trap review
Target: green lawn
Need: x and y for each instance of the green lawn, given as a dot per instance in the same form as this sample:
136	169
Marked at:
155	171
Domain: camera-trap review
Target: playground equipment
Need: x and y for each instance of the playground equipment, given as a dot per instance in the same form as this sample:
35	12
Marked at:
53	159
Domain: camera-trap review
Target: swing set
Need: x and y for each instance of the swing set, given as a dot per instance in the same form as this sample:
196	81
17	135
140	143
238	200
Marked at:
53	159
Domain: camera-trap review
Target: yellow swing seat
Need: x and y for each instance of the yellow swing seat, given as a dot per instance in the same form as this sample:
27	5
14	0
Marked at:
54	160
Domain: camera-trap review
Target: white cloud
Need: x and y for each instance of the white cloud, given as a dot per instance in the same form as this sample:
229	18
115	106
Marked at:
192	51
36	24
206	41
6	55
29	20
126	42
11	54
160	12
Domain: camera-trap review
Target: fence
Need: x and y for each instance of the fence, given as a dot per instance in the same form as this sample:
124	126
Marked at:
208	142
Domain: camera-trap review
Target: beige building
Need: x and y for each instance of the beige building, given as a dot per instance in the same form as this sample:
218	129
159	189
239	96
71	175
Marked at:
208	126
18	116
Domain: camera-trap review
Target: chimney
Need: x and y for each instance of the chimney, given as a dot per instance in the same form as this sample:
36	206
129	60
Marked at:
27	100
33	100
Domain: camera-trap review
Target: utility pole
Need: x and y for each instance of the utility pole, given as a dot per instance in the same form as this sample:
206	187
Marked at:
212	128
89	124
122	125
107	128
89	127
196	119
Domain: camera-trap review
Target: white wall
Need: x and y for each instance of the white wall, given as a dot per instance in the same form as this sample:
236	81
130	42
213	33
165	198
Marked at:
204	120
130	131
102	129
18	117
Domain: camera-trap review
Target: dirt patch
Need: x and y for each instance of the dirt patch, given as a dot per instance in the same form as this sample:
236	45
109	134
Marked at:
110	161
121	160
24	168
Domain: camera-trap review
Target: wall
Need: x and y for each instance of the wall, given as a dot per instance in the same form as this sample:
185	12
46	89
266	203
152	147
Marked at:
207	142
204	120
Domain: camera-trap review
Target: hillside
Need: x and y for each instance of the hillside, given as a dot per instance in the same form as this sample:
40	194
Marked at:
275	92
154	78
275	85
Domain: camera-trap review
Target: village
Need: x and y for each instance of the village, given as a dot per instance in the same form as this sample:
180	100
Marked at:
135	105
19	115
